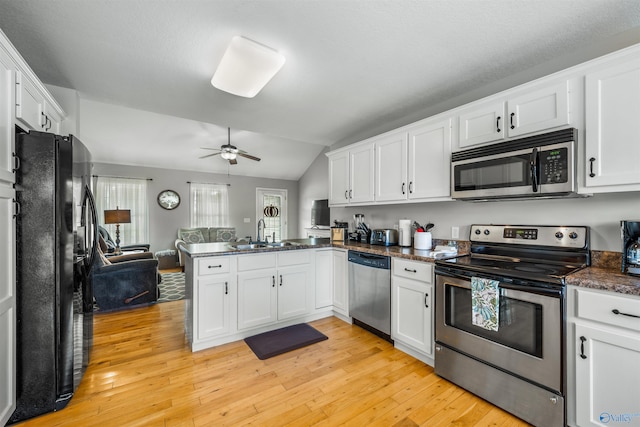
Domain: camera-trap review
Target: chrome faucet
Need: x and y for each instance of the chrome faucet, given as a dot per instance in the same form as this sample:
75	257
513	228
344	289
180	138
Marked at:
261	220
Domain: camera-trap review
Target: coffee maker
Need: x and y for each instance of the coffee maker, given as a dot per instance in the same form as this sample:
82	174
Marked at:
630	231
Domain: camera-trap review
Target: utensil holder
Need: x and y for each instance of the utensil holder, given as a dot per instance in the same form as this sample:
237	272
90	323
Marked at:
422	240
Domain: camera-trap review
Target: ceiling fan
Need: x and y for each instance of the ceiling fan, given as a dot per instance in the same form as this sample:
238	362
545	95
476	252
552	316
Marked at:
229	152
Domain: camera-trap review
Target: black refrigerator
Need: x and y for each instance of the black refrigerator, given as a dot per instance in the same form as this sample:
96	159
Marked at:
56	232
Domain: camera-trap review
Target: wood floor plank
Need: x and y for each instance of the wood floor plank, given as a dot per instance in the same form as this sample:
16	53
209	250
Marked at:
143	373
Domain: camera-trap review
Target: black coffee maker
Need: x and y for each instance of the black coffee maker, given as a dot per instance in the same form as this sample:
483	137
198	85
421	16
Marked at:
630	231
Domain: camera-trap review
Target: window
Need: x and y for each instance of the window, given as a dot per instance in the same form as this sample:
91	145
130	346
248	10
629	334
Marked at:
274	225
124	193
209	205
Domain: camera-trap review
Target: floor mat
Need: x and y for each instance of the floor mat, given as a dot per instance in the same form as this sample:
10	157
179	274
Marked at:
171	287
283	340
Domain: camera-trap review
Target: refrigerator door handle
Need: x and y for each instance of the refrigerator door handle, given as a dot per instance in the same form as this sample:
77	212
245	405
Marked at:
91	204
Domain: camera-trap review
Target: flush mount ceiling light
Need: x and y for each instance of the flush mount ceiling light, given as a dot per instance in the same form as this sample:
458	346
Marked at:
246	67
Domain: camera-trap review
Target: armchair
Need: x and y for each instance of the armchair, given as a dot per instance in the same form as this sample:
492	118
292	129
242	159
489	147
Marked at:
111	245
125	281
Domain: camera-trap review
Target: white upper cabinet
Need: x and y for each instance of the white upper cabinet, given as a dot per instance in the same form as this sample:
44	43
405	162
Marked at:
612	103
515	113
430	159
391	167
351	175
29	108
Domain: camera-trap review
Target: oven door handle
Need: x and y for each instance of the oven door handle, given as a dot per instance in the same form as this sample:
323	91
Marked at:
463	281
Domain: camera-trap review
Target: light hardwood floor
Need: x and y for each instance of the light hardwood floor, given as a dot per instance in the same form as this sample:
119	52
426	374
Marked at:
142	373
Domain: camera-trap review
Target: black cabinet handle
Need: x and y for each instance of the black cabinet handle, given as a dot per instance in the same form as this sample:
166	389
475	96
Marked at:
226	288
281	280
403	188
511	119
426	300
16	162
214	266
410	270
346	194
410	187
616	311
273	281
582	340
591	160
498	124
17	208
350	194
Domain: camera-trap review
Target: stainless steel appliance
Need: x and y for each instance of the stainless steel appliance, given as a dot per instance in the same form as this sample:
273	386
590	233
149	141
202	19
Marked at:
339	231
518	364
370	292
384	237
56	233
630	233
537	166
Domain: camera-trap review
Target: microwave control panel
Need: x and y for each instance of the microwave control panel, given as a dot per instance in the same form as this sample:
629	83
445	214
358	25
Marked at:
554	166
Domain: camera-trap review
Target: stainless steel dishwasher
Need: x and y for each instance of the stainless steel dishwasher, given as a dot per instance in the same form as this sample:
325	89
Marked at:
370	292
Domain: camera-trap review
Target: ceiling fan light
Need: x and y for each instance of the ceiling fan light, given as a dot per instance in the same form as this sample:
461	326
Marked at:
228	155
246	67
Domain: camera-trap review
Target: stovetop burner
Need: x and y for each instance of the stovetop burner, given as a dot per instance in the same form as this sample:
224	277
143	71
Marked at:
537	253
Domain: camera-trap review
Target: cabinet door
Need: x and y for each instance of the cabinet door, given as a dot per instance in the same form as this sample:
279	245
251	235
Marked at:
7	305
214	307
430	160
361	160
482	123
7	108
52	118
257	298
29	110
411	320
324	278
339	179
340	282
293	284
537	110
608	377
612	127
391	167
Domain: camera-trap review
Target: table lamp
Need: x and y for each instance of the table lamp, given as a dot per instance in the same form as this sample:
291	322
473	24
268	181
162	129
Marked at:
117	216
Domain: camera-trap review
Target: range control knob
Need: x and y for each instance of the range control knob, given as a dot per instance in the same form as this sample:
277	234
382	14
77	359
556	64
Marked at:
559	235
573	235
477	231
486	231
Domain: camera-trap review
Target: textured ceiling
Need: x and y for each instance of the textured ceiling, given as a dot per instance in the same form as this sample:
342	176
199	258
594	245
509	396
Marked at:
352	65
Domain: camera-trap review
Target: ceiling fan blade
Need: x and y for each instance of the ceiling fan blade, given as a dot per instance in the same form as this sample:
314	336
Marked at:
208	155
208	148
233	162
249	156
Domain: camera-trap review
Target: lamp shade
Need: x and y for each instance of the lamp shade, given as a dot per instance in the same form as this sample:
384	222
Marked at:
117	216
246	67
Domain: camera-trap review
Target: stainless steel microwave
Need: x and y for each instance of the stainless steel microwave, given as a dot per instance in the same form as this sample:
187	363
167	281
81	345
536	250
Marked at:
537	166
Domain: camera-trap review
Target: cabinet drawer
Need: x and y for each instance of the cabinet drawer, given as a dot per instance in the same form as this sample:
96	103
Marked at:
415	270
294	257
256	261
602	307
215	265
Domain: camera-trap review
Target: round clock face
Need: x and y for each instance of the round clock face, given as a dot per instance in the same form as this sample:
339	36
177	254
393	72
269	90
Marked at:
168	199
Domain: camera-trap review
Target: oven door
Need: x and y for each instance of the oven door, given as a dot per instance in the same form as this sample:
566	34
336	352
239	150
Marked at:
528	342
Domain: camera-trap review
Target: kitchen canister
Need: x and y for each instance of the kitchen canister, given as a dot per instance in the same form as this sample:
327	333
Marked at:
422	240
404	233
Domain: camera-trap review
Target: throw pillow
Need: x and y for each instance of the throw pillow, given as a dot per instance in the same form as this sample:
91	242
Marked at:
192	236
226	235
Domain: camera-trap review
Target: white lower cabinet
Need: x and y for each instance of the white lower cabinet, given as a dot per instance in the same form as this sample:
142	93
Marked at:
340	282
412	307
214	296
273	287
604	358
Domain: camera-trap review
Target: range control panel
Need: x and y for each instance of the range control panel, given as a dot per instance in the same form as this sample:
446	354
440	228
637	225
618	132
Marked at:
538	235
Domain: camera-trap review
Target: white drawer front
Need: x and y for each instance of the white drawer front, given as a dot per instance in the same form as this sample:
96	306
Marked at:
256	261
214	265
416	270
294	257
602	307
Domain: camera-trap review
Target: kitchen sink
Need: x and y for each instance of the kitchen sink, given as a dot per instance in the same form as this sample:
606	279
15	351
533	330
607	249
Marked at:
249	246
261	245
281	244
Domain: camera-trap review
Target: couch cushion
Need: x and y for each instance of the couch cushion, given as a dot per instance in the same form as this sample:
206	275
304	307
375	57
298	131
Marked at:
191	235
225	235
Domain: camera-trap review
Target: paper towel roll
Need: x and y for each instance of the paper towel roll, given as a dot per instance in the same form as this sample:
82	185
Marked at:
404	232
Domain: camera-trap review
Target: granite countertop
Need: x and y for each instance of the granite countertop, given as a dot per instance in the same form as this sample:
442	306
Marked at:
606	274
401	252
196	250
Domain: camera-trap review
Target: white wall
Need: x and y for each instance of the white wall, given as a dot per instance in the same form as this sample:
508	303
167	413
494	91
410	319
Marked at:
313	185
164	224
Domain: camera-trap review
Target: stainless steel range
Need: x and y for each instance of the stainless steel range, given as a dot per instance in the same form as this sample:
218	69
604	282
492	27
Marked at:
500	316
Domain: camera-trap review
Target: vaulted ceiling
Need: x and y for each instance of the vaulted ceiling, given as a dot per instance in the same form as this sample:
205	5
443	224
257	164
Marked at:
353	67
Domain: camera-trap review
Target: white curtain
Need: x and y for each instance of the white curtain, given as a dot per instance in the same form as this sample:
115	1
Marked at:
209	205
124	193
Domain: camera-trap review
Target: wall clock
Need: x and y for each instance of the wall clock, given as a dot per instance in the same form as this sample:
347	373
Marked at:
168	199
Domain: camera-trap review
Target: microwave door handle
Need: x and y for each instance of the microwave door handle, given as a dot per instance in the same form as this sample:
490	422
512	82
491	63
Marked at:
535	170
